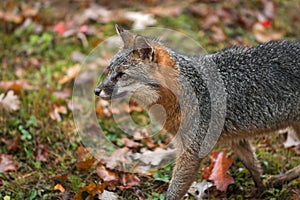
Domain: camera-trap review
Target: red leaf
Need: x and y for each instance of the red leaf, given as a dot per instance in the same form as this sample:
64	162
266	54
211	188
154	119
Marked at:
219	172
266	23
83	28
60	28
206	172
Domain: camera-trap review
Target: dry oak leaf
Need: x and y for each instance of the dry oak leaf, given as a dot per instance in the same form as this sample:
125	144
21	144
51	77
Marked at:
206	172
122	179
10	102
7	163
84	160
219	172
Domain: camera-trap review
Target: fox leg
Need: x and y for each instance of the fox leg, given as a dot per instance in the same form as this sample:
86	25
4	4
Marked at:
184	173
291	174
243	150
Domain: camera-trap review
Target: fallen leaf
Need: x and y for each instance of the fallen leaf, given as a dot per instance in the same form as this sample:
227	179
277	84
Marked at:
71	74
77	56
10	102
106	174
130	143
263	35
83	28
128	180
106	195
292	139
219	172
146	137
157	156
41	153
12	144
92	189
84	160
269	8
218	34
206	172
118	158
198	189
56	111
59	187
7	163
28	11
123	179
266	23
62	94
60	28
172	11
140	20
16	85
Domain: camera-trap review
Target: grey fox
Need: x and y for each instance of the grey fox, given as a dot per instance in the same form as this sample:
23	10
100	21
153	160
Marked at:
262	86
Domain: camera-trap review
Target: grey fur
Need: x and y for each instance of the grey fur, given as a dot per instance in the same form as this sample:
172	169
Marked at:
262	87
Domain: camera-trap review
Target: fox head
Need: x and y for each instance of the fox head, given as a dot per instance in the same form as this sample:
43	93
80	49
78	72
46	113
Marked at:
142	69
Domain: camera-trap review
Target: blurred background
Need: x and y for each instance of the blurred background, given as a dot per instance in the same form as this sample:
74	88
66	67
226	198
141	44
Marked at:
43	43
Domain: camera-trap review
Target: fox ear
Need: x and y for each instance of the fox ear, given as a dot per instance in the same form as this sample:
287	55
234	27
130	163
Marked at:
142	48
125	35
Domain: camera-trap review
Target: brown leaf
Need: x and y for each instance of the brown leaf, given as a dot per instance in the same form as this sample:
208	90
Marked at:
29	11
262	34
16	85
84	160
171	11
62	94
7	163
122	179
106	174
41	153
57	110
10	102
12	144
130	143
71	74
219	172
92	189
145	136
59	187
218	35
128	180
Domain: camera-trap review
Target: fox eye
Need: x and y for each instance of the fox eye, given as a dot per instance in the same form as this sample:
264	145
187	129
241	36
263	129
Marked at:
123	76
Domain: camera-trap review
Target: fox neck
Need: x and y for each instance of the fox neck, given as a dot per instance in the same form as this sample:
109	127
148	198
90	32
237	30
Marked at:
168	116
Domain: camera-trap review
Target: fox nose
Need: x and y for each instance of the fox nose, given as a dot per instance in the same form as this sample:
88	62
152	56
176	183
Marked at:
97	91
